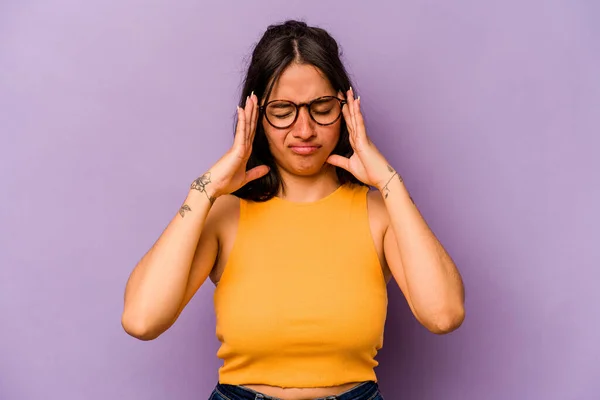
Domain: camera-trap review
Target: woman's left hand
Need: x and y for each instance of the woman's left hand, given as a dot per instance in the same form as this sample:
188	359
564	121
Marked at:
367	164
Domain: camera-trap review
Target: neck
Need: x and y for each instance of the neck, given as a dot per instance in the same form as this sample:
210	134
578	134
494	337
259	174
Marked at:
311	188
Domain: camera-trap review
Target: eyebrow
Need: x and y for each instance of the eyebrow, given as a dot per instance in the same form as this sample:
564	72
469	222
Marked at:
278	105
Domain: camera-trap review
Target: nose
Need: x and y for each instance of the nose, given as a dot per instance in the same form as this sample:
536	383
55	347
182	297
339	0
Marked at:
304	126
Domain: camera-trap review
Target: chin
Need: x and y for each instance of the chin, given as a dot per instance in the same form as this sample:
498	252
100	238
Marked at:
307	167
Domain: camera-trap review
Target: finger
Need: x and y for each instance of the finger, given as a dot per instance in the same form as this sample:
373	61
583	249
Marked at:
255	173
350	100
252	112
348	119
254	120
240	139
339	161
248	112
347	116
360	122
352	107
347	113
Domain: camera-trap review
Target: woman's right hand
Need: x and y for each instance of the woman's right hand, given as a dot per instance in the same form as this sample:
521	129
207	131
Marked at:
229	173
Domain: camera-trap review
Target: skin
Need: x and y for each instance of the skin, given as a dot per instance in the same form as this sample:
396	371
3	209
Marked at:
203	231
307	179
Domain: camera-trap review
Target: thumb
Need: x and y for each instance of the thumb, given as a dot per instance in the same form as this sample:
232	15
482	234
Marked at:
339	161
256	172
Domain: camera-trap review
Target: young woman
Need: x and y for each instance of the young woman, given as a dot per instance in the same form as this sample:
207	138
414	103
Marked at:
298	246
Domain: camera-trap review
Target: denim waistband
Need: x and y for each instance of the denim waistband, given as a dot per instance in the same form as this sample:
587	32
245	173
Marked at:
362	391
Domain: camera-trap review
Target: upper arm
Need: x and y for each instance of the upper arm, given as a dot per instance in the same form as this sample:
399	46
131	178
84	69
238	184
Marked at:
391	252
207	250
394	262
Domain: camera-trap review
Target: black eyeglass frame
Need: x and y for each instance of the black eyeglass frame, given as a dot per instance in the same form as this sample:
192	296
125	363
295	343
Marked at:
298	106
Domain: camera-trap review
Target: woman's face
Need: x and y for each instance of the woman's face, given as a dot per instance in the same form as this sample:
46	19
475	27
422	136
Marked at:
303	148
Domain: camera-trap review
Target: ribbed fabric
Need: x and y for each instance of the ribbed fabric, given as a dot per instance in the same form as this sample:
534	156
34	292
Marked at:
302	301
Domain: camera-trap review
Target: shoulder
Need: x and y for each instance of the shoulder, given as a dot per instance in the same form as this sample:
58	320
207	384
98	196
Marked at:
223	212
225	203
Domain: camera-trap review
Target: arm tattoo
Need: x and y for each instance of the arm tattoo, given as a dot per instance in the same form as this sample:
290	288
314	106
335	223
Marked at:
200	185
386	190
183	209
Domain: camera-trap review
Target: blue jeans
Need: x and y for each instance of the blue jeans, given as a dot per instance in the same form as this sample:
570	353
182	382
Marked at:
363	391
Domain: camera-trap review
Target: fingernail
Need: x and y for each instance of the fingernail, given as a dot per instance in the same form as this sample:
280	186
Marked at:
252	94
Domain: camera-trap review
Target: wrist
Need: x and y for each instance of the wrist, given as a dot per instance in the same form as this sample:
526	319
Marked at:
393	180
204	186
391	177
202	195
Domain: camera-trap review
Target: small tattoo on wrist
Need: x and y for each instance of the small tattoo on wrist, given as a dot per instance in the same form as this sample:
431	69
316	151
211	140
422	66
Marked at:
385	190
200	185
183	209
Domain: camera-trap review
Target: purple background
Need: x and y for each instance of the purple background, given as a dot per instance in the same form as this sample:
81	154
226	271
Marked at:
490	110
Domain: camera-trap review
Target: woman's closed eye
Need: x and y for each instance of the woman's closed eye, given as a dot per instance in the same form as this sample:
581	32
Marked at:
322	112
283	115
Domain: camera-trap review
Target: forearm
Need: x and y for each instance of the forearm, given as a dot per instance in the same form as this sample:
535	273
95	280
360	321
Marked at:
156	287
433	281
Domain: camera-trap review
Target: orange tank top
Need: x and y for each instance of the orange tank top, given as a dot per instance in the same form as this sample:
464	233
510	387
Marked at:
302	301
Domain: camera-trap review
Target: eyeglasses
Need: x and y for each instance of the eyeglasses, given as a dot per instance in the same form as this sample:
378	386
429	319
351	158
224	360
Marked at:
282	114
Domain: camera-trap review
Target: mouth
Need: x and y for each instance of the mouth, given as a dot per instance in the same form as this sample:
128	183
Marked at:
304	150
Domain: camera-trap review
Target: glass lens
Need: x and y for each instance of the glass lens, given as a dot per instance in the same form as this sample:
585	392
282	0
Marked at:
281	113
326	110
